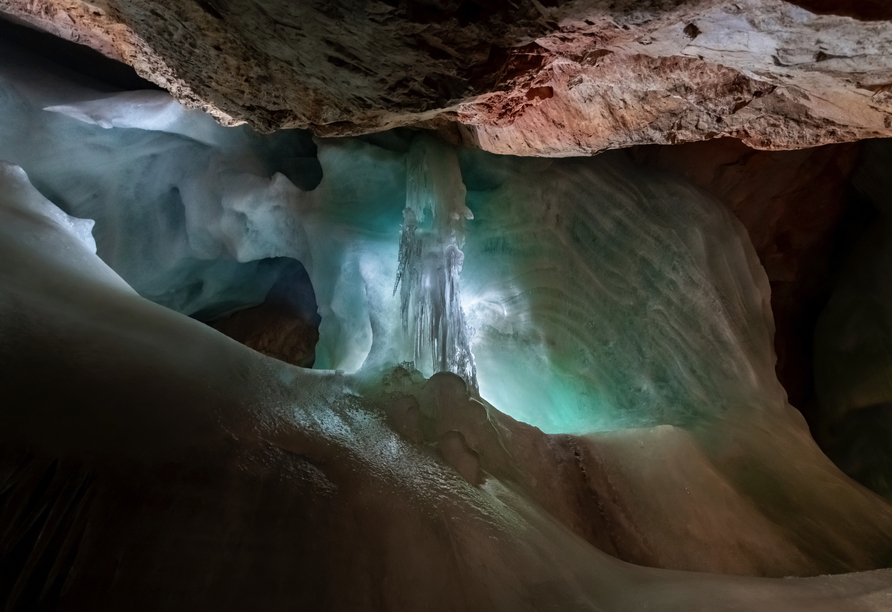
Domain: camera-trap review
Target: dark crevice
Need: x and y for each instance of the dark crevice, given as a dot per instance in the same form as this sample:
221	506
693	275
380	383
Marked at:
208	8
823	273
44	521
863	10
73	56
286	325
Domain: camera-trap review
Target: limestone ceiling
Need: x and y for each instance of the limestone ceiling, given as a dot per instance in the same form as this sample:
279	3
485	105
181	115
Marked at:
525	77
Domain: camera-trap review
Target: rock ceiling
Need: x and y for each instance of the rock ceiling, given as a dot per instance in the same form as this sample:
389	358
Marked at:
525	77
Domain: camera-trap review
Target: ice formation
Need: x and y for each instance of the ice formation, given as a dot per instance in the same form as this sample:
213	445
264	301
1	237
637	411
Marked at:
196	218
623	298
431	260
317	481
605	301
179	223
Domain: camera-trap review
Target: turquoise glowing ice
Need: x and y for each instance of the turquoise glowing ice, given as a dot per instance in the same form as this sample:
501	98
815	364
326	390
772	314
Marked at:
430	262
579	294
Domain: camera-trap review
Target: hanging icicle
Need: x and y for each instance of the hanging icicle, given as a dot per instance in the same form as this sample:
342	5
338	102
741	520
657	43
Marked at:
430	261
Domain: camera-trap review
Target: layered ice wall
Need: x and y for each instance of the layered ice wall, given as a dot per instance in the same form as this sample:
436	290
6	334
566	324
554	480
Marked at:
593	295
605	297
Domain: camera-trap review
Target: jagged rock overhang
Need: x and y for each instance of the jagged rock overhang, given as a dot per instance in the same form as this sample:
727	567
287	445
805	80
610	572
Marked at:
525	78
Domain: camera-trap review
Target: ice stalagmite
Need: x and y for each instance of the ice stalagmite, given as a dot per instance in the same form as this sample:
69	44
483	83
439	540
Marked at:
430	262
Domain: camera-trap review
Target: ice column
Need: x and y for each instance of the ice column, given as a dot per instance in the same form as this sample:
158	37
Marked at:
437	338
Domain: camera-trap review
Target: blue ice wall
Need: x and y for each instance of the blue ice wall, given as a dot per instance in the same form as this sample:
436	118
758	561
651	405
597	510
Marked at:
606	296
593	294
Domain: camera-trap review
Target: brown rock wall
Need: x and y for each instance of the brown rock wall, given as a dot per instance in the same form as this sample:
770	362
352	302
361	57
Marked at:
285	326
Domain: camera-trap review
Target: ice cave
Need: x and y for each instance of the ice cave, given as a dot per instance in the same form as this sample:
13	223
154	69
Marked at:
446	305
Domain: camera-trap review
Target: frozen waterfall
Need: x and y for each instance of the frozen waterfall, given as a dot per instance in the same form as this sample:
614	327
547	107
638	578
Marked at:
430	262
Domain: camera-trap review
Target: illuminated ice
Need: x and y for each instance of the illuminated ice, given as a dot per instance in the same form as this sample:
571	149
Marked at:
604	296
430	262
581	295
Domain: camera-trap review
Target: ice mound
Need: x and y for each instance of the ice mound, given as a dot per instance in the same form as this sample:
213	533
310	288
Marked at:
20	194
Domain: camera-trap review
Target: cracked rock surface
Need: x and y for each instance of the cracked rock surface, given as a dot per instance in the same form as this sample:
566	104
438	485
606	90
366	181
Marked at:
522	77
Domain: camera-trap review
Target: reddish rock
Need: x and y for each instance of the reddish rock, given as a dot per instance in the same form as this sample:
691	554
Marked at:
524	78
274	332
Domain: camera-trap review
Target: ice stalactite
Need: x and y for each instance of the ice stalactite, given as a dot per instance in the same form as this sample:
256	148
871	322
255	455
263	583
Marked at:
431	260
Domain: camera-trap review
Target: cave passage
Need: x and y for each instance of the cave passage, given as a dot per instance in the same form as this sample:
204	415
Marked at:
525	383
